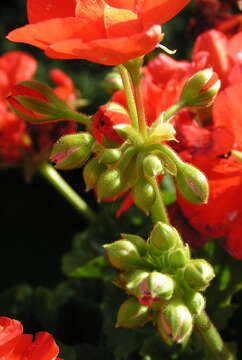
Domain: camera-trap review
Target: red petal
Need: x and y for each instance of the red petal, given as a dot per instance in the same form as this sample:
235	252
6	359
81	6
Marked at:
16	66
43	348
215	44
234	241
227	112
49	9
107	51
121	21
10	331
159	11
235	47
22	347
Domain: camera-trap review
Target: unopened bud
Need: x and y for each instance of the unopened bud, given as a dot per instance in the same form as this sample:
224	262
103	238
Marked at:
109	184
175	322
144	195
161	286
138	241
179	257
133	279
198	274
192	184
162	238
103	123
123	255
91	172
71	151
113	81
195	302
201	89
152	166
109	156
132	314
37	102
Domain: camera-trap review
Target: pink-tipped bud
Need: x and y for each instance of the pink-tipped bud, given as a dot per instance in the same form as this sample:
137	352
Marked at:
175	322
201	89
71	151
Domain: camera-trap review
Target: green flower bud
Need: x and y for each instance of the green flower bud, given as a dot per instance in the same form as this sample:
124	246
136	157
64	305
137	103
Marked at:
138	241
179	257
161	286
123	255
109	156
152	166
109	184
133	280
162	238
144	195
201	89
113	81
175	322
198	274
195	302
192	184
71	151
91	172
131	314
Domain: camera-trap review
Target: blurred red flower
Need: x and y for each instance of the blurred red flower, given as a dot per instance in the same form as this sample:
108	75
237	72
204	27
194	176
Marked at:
14	345
108	32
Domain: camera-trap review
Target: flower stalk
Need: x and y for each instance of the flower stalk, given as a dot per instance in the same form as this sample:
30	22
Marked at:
53	177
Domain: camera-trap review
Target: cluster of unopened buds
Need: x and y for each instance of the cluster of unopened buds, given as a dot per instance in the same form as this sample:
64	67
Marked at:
163	278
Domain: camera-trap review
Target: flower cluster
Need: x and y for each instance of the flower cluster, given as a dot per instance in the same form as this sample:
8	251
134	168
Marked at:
165	282
16	345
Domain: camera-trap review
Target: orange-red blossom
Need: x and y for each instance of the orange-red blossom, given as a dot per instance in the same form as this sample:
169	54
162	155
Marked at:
109	32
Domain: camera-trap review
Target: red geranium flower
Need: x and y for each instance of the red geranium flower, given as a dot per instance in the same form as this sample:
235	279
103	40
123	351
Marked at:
108	32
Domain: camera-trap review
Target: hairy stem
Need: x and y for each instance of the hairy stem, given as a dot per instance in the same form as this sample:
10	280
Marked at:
53	177
212	338
129	95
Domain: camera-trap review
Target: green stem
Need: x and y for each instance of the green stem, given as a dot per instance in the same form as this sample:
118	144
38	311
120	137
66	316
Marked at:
129	95
134	69
212	338
78	117
171	111
158	211
52	176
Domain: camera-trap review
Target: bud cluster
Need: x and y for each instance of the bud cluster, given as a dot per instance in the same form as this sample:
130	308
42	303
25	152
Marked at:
163	281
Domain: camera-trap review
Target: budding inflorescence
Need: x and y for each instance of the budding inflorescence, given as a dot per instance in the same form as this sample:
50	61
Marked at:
163	281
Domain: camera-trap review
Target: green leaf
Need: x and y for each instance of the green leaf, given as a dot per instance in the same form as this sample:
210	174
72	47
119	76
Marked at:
94	268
